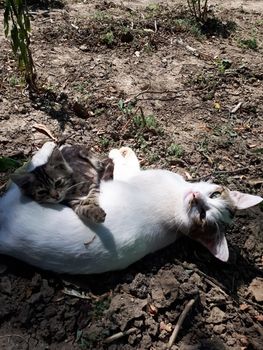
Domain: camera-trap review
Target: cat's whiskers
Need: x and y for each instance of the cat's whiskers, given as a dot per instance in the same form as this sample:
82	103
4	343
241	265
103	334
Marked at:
181	224
77	184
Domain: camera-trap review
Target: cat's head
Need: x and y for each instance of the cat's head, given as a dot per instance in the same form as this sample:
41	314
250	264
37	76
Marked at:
47	183
209	209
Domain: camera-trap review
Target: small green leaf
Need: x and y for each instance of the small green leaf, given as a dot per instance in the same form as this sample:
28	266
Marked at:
27	23
78	335
8	163
6	18
15	39
121	104
23	49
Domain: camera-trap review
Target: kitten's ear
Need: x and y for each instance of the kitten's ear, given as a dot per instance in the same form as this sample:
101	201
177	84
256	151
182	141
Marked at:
57	161
243	200
22	180
217	246
56	157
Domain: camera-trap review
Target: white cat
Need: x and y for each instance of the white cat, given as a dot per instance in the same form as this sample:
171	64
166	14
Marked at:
146	211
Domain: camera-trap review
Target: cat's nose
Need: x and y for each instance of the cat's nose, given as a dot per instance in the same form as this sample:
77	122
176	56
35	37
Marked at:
54	194
196	196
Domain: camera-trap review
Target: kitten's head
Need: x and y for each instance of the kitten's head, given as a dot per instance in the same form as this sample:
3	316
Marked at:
209	209
47	183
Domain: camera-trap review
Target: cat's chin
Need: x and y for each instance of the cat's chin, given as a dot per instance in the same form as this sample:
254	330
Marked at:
52	201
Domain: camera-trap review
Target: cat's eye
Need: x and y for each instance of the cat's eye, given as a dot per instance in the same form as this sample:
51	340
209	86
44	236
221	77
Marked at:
215	194
42	192
58	183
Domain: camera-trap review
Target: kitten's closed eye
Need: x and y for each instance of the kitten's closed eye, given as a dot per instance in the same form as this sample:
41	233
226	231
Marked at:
42	192
59	183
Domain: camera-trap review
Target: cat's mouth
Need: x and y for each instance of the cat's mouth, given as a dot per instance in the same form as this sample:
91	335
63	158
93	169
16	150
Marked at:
56	197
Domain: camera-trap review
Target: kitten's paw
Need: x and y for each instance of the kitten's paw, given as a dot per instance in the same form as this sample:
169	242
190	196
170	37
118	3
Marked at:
96	215
91	212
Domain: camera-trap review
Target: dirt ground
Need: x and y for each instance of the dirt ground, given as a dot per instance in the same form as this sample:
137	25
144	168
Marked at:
185	97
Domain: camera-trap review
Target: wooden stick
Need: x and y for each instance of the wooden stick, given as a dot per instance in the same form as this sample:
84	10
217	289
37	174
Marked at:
119	335
179	323
147	91
236	108
14	335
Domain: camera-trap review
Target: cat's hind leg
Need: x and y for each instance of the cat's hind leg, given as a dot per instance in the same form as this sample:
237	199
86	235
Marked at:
126	163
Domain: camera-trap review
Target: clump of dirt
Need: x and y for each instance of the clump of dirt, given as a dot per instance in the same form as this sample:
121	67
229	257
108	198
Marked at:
186	98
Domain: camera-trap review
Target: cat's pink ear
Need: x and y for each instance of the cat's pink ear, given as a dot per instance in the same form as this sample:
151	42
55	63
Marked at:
243	200
217	246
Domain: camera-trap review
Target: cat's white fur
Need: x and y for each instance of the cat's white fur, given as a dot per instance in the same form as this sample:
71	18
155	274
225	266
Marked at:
144	214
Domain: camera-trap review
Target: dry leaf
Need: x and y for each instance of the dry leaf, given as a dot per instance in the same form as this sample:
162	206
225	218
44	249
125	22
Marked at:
152	310
217	106
259	318
166	327
42	128
187	175
255	182
243	307
75	293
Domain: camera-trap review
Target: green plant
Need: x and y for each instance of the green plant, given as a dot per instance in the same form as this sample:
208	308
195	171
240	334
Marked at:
189	25
15	81
224	130
249	43
99	307
141	142
125	108
104	141
198	9
175	150
223	64
148	121
153	7
81	87
101	16
108	38
153	157
8	164
16	13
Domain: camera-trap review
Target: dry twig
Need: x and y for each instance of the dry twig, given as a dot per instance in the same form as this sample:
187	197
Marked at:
188	47
147	91
236	108
14	335
180	321
119	335
234	171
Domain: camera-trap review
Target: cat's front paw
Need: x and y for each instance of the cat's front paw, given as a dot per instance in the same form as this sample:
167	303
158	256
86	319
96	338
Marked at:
91	212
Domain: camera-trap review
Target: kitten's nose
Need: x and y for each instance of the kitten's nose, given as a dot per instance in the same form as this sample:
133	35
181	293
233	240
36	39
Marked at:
54	194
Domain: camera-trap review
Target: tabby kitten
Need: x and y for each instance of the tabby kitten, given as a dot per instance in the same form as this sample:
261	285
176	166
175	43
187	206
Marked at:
71	176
